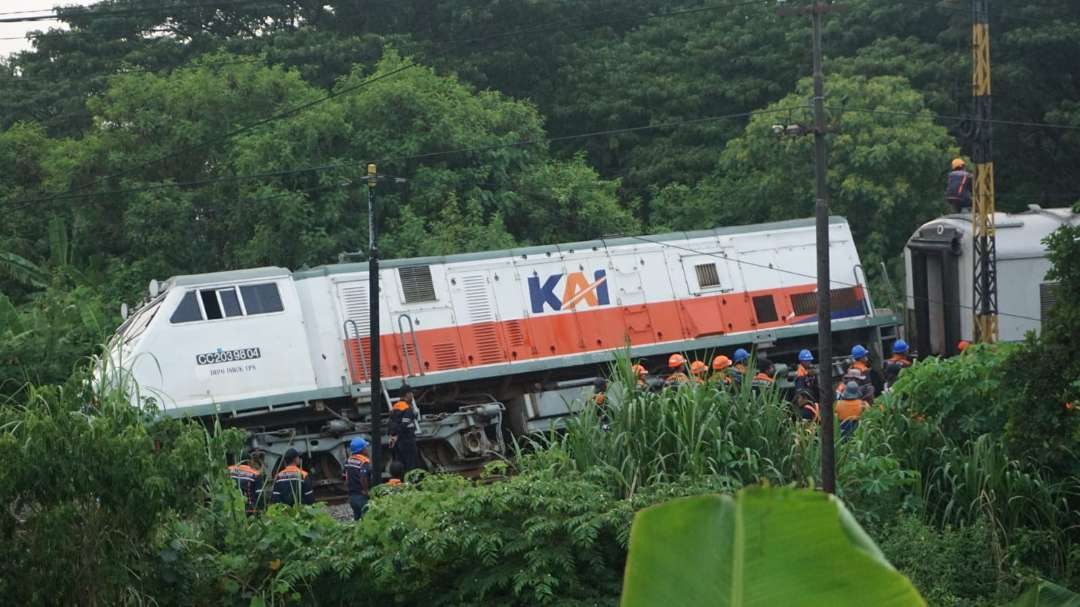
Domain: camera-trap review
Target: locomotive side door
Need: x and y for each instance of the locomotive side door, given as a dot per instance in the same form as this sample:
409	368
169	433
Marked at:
477	316
629	294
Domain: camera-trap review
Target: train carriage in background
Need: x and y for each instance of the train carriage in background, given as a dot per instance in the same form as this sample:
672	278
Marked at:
940	264
492	341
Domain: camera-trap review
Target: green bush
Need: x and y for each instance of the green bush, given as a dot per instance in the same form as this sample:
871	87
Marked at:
951	566
87	480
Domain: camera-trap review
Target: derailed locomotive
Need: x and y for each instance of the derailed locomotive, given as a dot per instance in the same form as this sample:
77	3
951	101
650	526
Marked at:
494	343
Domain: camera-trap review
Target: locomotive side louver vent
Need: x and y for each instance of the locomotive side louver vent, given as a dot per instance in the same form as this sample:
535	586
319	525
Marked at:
840	299
707	275
482	317
446	356
354	304
1047	298
354	300
416	284
515	333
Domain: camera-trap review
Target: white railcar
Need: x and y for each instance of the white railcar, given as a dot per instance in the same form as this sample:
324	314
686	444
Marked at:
940	266
488	339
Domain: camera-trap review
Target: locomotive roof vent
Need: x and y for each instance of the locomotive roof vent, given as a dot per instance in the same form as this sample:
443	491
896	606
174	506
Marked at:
416	284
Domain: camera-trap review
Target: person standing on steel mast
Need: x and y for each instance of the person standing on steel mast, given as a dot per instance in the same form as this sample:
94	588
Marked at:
403	431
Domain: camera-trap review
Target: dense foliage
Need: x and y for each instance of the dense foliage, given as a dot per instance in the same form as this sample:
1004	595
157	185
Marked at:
167	137
171	138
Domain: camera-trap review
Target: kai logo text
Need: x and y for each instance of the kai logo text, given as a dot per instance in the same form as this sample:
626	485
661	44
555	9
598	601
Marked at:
576	290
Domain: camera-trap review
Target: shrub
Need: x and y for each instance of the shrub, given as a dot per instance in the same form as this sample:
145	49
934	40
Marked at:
85	489
951	566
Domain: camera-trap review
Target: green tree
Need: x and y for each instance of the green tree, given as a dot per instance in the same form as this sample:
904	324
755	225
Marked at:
885	160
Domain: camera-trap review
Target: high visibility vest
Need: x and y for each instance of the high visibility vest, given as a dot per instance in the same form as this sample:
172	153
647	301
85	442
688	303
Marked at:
849	409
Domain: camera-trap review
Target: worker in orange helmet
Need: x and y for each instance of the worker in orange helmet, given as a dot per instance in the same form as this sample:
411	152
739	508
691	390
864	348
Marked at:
698	370
403	431
676	362
640	373
963	345
958	190
721	375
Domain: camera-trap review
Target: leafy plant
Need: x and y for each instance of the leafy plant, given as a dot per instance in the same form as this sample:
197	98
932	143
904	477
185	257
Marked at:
763	546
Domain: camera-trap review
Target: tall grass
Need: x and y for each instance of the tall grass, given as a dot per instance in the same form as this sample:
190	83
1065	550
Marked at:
690	432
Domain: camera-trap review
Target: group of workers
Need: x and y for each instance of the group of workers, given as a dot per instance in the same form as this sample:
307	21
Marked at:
292	485
854	392
723	370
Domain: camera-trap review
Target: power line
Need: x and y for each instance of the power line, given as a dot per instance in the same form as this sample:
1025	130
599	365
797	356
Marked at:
95	12
333	94
805	275
425	156
1023	123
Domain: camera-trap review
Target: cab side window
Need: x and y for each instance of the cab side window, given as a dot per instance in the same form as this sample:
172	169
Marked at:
188	310
227	302
261	299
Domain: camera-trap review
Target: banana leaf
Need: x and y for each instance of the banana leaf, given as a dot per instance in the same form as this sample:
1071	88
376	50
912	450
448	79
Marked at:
765	546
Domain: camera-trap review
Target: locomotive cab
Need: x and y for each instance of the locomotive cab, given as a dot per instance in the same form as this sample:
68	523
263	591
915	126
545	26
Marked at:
229	337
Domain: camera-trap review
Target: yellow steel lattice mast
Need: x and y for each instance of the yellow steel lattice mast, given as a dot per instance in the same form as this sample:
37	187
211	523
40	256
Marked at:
982	200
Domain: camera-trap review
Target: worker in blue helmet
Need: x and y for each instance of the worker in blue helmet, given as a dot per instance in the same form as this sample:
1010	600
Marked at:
738	368
806	373
358	476
896	363
858	371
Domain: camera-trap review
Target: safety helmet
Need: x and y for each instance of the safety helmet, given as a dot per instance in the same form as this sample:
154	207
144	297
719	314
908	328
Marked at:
740	356
957	163
805	356
357	445
859	352
963	345
639	370
720	363
900	347
698	368
675	361
852	391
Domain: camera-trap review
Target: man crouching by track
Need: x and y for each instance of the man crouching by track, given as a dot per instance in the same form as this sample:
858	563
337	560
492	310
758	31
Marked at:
358	477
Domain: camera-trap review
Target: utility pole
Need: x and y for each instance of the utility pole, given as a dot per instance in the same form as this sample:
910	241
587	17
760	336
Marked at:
983	234
373	332
821	213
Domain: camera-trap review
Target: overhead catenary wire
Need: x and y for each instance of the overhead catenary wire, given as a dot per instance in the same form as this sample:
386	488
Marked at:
390	159
833	281
346	90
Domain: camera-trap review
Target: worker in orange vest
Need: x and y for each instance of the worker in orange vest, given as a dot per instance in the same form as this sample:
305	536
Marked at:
676	362
291	484
640	374
850	408
403	431
357	475
249	480
698	370
738	367
721	365
896	363
806	374
764	379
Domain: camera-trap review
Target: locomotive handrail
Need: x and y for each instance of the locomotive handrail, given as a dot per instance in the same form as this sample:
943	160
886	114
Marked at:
868	305
405	347
359	347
